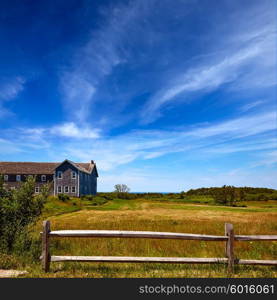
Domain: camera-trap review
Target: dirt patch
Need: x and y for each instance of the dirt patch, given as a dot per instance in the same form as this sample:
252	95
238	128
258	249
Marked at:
11	273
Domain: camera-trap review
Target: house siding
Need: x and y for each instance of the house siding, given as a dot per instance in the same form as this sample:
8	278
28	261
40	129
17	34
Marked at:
88	183
85	183
13	183
12	178
66	181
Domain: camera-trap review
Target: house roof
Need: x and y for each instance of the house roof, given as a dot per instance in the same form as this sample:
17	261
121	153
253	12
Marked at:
84	167
27	168
34	168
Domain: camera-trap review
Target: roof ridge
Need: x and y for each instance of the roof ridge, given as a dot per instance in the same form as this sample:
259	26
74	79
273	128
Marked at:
38	162
35	167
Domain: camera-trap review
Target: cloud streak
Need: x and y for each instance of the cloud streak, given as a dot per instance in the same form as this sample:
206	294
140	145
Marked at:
103	52
249	134
248	62
9	89
71	130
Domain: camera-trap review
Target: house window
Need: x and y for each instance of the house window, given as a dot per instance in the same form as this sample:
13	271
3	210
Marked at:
18	177
73	189
36	189
60	189
73	175
6	177
43	177
66	189
60	174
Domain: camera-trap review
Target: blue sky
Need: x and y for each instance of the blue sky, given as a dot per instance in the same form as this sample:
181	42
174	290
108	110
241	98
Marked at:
163	95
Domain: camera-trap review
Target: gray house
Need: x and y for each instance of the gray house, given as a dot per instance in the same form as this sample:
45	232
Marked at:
67	177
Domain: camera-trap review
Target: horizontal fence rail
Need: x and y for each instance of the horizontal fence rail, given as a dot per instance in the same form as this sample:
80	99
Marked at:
229	238
256	237
136	234
177	260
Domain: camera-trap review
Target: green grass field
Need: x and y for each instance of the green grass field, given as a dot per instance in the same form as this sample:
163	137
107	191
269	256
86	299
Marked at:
156	215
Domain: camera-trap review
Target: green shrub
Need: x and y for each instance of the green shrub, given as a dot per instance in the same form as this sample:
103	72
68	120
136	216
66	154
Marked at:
108	196
182	195
262	197
19	209
87	197
63	197
94	200
8	261
126	196
273	196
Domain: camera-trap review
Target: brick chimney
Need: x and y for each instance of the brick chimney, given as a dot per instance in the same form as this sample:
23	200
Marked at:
92	162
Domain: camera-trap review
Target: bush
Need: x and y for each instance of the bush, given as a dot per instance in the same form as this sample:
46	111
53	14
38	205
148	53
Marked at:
126	196
182	195
18	210
94	200
262	197
273	196
87	197
63	197
108	196
98	201
8	261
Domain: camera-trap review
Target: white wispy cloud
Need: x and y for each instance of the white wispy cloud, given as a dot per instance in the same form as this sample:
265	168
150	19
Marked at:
247	62
250	133
268	158
8	147
115	155
239	127
36	141
71	130
97	59
68	130
9	89
237	135
251	105
78	93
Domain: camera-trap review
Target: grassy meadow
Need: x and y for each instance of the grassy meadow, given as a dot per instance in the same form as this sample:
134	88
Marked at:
198	215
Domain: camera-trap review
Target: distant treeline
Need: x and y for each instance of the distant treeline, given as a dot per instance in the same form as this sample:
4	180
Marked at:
127	195
230	194
224	195
212	190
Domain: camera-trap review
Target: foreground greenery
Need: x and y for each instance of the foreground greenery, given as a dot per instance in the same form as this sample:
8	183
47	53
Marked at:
154	212
18	210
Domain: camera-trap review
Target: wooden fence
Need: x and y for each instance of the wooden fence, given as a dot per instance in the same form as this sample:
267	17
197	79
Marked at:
229	238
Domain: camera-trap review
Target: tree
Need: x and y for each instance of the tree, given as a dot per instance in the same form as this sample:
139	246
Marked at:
241	195
19	209
232	194
219	196
121	188
182	195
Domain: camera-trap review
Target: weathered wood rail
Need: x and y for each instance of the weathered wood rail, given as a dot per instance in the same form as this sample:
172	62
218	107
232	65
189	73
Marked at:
229	238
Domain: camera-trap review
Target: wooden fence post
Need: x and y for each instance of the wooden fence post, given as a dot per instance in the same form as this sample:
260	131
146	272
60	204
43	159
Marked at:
45	257
229	232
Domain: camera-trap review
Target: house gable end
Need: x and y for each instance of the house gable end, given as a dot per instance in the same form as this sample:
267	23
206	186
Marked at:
94	171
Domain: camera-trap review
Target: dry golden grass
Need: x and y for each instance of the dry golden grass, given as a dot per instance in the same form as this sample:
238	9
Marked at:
161	217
